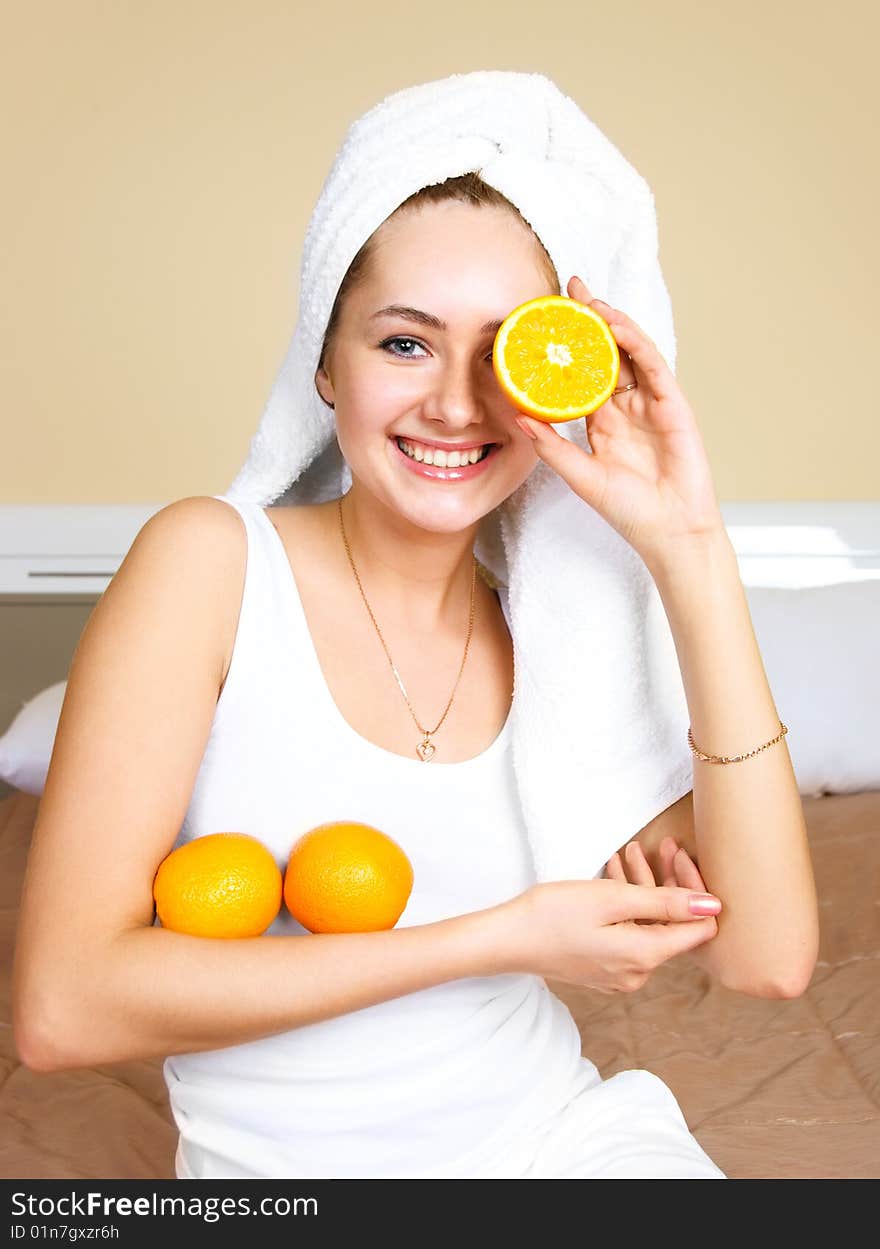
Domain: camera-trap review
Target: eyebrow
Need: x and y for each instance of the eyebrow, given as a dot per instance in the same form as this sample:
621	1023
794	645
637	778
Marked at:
405	313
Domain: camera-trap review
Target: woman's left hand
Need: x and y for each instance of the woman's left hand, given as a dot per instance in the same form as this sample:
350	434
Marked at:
648	474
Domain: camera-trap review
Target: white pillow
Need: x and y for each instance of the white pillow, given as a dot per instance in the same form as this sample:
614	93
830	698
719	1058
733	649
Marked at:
26	746
821	651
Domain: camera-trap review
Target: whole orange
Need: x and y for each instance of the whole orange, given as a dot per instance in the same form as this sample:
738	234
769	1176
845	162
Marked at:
219	885
347	877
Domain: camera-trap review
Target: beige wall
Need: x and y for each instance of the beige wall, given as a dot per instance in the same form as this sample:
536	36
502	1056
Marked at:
163	158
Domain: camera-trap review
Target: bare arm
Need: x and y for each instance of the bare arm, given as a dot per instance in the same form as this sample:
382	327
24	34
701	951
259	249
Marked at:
152	992
749	834
94	980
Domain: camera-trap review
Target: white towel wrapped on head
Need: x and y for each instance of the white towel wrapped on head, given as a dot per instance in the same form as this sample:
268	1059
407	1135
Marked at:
600	720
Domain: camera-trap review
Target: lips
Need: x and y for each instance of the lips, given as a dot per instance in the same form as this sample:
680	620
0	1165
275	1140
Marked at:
442	446
433	472
442	457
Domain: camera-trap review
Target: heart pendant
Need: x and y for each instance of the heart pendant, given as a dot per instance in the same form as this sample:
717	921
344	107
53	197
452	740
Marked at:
426	750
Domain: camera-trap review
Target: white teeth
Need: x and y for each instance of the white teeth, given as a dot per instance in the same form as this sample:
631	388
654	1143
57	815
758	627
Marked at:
440	458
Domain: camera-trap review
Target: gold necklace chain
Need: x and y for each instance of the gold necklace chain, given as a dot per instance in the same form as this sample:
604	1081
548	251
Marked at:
426	748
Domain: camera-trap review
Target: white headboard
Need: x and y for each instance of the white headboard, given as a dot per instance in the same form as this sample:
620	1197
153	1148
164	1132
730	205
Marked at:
60	550
805	543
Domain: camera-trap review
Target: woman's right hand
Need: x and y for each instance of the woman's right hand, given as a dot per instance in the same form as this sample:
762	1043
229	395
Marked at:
602	934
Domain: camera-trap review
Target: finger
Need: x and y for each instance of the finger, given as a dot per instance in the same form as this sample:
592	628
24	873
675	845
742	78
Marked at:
626	377
653	944
580	469
666	904
614	868
667	851
648	363
687	872
578	289
638	867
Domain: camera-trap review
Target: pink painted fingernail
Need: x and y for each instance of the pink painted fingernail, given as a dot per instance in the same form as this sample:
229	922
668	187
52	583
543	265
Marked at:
703	904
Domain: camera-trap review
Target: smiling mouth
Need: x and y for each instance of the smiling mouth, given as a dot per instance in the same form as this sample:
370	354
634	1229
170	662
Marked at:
444	459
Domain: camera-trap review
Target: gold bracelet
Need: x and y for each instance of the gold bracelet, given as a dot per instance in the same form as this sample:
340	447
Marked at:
736	758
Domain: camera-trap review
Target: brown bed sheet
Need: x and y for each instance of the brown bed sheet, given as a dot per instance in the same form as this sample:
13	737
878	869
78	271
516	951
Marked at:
771	1089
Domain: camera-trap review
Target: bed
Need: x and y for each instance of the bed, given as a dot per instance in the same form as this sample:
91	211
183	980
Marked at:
785	1088
772	1089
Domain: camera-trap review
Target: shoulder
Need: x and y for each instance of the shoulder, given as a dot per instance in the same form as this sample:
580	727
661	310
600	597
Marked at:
188	561
194	519
201	535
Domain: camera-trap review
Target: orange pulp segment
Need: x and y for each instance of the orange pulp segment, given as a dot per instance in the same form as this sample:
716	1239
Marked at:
556	359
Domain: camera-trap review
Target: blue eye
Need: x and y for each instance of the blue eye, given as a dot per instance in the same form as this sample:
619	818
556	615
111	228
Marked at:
405	355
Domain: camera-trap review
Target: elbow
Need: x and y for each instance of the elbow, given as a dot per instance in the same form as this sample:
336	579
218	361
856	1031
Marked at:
777	988
796	983
42	1046
788	982
788	975
32	1048
791	987
44	1055
794	979
50	1013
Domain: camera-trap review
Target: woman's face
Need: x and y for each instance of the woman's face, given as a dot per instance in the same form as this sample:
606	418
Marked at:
428	379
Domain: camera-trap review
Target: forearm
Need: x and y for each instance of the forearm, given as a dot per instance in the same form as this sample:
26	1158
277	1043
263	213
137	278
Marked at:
154	992
751	838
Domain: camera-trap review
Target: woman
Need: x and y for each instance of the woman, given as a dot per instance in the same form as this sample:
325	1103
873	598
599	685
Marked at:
269	668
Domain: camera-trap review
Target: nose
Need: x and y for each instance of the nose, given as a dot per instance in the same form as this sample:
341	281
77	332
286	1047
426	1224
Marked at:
457	400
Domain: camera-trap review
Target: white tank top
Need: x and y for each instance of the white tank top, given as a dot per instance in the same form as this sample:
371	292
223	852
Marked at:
432	1083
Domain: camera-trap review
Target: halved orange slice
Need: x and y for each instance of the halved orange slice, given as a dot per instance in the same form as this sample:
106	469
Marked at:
556	359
